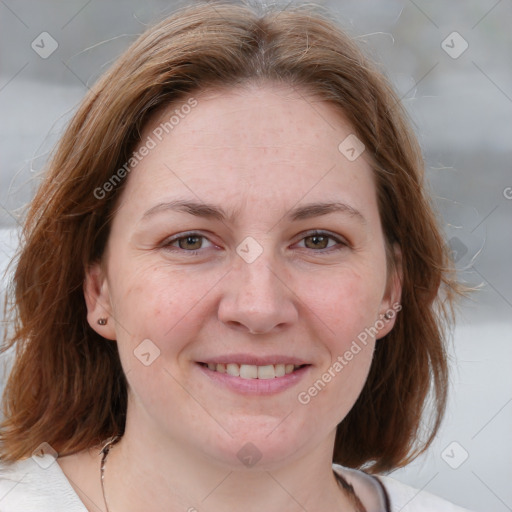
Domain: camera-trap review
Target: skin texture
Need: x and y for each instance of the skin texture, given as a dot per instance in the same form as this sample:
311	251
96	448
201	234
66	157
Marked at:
259	151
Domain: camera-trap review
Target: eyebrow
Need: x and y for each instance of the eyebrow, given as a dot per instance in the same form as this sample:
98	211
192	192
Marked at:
216	212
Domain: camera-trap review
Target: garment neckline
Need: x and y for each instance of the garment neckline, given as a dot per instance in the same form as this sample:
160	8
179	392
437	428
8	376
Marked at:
367	487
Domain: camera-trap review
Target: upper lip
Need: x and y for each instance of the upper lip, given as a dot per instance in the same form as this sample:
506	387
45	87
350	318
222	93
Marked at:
254	360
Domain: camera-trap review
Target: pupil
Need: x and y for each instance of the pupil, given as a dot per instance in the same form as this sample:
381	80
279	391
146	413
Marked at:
191	240
318	240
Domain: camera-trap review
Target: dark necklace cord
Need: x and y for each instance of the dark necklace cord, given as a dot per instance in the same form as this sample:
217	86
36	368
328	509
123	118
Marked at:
106	448
354	498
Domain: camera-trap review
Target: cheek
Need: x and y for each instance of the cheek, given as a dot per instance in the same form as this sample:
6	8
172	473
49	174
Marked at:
345	309
155	310
346	303
160	304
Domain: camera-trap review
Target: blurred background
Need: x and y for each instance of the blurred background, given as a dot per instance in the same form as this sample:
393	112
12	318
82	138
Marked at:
451	63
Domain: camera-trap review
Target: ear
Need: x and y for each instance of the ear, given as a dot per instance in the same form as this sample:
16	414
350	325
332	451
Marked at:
390	305
97	299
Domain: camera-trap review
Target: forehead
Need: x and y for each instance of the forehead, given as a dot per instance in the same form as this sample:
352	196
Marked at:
253	141
269	116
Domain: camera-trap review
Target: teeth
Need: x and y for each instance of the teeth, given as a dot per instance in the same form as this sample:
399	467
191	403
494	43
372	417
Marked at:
233	369
279	370
266	372
250	371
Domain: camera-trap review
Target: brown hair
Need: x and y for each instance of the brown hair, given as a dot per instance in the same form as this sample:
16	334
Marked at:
67	387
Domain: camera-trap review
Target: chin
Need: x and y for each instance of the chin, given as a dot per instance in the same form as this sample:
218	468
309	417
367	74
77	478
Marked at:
258	448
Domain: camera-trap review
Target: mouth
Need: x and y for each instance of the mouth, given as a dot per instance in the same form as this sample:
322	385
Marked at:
250	371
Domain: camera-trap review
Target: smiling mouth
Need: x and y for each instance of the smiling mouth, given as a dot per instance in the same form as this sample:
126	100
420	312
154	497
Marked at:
249	371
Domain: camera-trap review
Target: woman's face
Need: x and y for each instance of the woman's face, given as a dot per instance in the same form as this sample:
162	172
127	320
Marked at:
246	235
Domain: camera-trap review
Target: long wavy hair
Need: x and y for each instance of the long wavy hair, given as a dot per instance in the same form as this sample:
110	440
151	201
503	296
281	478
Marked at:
67	386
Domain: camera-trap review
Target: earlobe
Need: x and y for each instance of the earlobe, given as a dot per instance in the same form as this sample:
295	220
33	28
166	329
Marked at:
395	279
391	301
97	299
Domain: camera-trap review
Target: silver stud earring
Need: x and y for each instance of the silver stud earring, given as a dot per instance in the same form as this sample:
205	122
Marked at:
102	321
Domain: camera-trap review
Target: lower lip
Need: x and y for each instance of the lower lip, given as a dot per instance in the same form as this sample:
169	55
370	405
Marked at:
256	386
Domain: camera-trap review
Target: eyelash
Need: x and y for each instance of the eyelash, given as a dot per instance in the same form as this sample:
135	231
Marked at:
166	244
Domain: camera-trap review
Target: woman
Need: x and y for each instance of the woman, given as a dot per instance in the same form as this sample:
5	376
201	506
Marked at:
222	300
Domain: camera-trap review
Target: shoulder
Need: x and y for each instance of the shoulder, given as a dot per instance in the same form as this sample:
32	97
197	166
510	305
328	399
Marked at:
373	490
32	485
408	499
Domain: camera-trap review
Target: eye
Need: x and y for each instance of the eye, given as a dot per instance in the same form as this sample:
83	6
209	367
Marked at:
319	241
188	242
193	242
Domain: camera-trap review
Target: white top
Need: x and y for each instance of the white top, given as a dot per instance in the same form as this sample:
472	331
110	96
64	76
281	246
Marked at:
38	484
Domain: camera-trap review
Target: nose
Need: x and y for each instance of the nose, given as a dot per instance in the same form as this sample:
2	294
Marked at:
258	298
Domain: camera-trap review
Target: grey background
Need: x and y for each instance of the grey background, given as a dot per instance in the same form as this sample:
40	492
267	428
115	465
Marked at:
462	111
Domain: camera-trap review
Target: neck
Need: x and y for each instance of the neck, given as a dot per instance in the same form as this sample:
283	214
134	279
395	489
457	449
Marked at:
170	475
